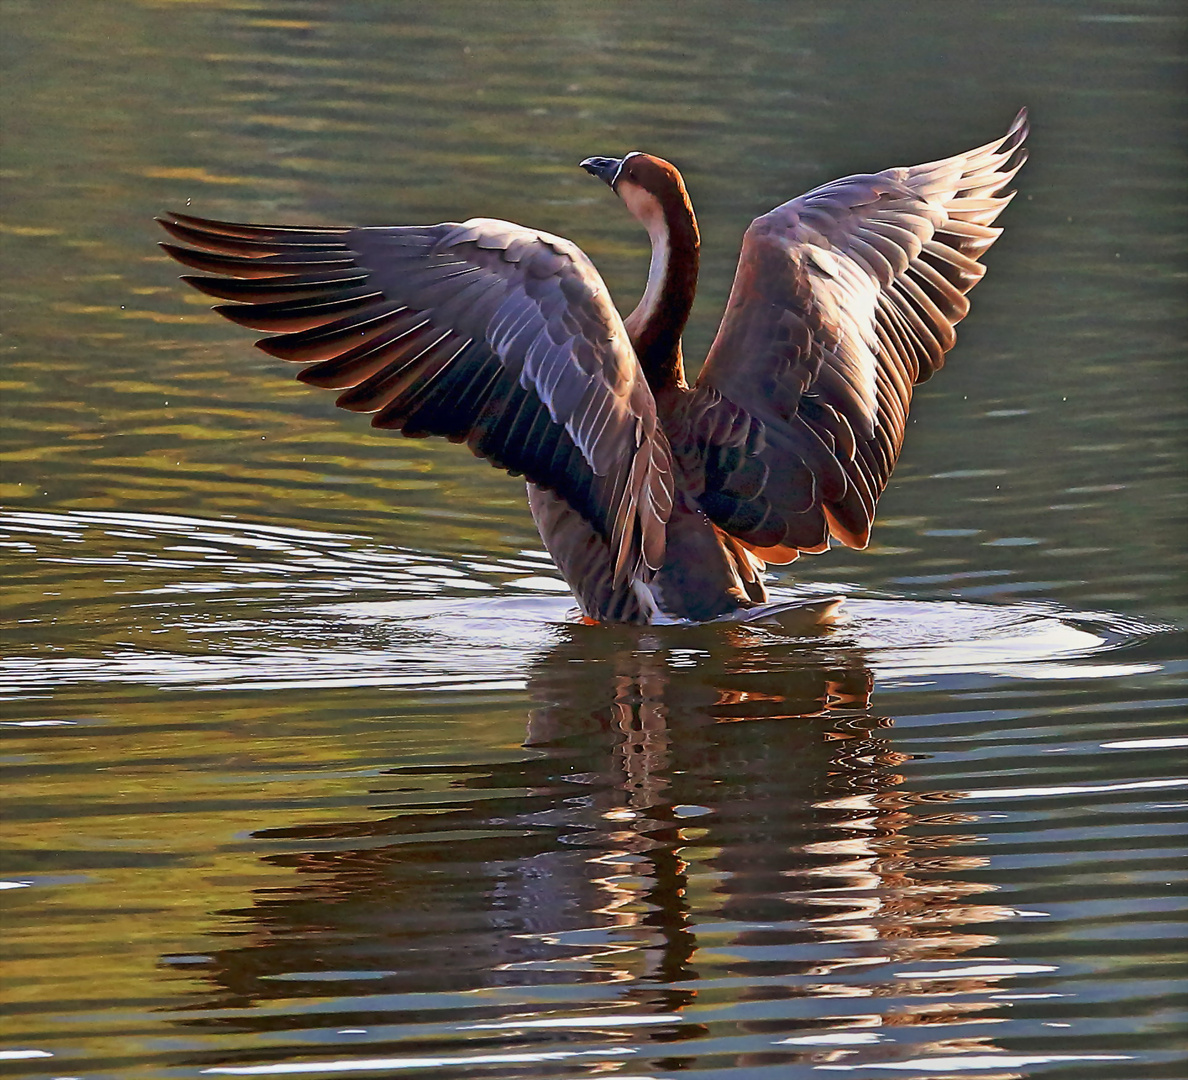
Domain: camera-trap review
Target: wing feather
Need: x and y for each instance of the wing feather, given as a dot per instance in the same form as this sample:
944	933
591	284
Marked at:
484	332
844	299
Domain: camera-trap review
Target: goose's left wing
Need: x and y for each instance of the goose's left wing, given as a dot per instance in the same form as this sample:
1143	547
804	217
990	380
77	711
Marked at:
484	332
844	298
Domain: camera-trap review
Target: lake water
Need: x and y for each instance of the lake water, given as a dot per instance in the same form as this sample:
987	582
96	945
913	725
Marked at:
309	770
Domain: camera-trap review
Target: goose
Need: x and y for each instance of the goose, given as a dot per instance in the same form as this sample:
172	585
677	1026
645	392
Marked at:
659	501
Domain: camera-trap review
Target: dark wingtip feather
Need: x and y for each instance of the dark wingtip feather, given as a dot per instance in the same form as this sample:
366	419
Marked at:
294	316
255	244
251	231
231	265
282	287
212	286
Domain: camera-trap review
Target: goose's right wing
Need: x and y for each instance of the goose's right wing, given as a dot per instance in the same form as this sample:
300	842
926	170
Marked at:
484	332
844	299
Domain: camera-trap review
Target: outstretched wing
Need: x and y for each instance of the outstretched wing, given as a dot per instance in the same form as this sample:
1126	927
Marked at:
843	300
484	332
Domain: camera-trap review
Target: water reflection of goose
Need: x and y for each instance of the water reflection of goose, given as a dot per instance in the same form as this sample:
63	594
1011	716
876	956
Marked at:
656	500
673	839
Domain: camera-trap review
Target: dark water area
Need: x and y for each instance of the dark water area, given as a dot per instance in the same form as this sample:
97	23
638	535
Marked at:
309	769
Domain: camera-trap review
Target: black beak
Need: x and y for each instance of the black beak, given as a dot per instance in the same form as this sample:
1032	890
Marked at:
605	168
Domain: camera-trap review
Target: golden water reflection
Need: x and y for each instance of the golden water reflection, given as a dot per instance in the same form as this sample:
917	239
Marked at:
706	843
231	614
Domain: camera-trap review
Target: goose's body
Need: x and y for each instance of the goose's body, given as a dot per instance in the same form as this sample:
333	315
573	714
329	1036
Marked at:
657	500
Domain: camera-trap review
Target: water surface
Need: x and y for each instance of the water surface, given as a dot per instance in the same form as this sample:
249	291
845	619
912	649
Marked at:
310	770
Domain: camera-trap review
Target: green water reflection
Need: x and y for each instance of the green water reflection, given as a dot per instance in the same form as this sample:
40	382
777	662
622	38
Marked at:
239	772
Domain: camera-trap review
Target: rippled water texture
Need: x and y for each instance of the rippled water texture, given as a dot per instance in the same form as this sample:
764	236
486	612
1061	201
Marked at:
310	770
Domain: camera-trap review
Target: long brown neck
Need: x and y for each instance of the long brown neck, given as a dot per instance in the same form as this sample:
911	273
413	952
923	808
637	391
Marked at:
656	324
